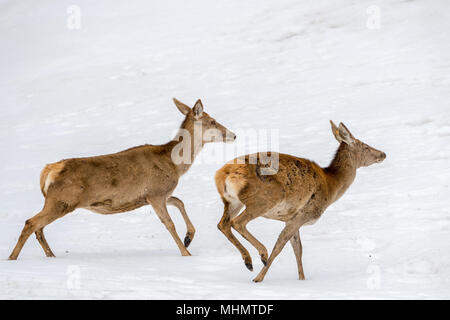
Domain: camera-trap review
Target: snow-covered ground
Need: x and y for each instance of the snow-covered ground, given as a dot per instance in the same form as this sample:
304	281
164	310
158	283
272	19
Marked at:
287	65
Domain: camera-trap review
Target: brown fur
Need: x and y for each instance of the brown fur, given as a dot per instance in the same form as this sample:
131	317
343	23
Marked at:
120	182
297	194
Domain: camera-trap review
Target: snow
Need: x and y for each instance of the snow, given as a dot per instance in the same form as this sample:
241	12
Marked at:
285	65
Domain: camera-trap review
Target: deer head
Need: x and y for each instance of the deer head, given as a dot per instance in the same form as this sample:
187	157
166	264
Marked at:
364	154
211	130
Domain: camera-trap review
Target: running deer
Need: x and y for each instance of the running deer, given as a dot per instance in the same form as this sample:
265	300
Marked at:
126	180
297	193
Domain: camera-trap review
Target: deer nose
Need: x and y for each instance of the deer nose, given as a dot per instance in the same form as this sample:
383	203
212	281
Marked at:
230	136
383	156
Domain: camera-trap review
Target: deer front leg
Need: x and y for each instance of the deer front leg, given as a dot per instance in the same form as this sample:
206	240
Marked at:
285	235
161	210
297	246
174	201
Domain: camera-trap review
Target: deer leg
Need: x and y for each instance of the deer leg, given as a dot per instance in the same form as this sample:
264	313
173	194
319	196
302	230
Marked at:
161	210
43	242
52	211
224	225
297	246
240	225
174	201
287	233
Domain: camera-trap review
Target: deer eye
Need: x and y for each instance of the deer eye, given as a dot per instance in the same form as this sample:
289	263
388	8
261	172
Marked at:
213	122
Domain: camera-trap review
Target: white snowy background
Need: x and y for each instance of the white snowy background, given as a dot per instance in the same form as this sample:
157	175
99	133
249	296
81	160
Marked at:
287	65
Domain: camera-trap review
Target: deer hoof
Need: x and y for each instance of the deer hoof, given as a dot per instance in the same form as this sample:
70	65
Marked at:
187	241
49	254
186	254
249	266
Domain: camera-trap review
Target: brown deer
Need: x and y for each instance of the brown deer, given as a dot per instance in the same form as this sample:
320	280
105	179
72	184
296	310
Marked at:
297	194
126	180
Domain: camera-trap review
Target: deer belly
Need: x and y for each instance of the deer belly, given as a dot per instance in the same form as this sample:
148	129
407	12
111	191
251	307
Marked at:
109	206
282	211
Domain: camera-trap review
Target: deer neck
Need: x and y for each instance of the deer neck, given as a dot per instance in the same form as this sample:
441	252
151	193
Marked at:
185	146
341	172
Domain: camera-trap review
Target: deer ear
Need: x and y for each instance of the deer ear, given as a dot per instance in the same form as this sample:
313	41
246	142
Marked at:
198	109
345	134
184	109
335	131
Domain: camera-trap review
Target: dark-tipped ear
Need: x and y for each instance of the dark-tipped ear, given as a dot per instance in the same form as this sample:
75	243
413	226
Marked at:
335	131
345	134
184	109
198	109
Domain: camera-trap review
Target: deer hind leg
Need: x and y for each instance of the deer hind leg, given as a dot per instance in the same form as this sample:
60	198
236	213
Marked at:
297	246
52	211
240	225
174	201
161	210
230	211
43	242
285	235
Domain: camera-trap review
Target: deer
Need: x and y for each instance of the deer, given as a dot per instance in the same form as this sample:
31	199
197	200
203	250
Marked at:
127	180
295	191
